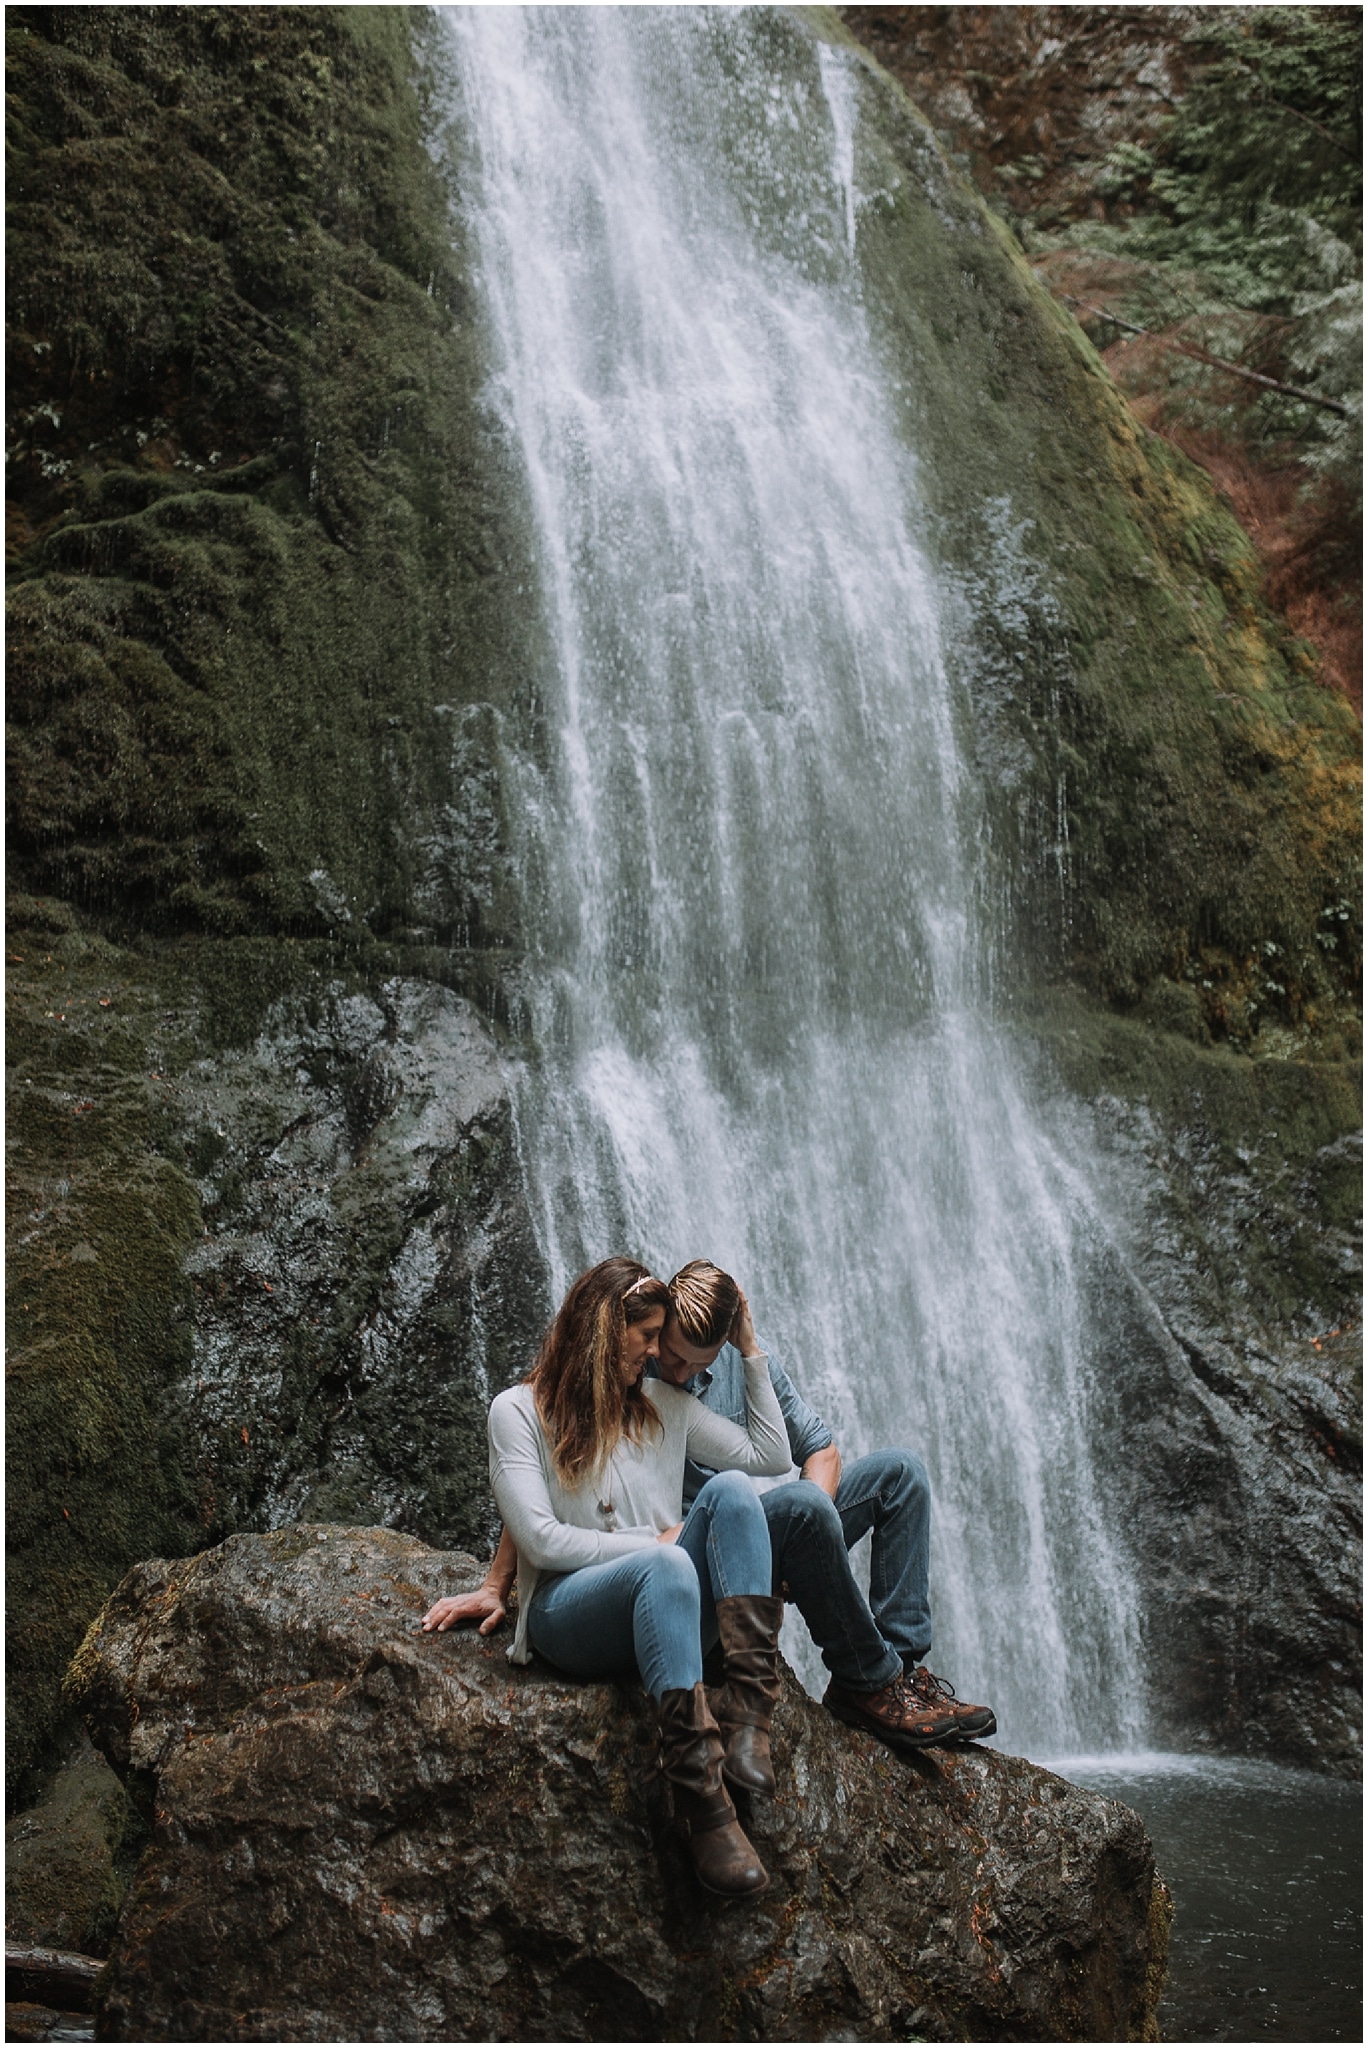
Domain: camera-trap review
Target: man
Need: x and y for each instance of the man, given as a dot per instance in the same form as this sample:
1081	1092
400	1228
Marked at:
873	1648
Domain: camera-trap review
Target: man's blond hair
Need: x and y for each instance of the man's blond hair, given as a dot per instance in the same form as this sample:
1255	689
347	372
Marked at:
705	1301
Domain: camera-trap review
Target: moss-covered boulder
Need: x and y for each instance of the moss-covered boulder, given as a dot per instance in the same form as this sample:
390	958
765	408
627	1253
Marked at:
68	1860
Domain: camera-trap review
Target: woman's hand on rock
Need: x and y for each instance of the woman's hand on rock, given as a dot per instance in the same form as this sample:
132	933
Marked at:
484	1605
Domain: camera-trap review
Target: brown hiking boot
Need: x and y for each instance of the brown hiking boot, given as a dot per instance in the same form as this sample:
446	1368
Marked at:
691	1759
938	1695
749	1626
895	1713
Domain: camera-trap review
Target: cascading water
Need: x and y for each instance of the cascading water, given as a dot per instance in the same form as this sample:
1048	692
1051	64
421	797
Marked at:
757	992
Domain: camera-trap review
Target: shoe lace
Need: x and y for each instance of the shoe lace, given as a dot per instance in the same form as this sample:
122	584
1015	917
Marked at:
926	1686
905	1693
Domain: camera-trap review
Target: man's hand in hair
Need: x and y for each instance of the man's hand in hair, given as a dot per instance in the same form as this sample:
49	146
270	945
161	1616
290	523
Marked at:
742	1331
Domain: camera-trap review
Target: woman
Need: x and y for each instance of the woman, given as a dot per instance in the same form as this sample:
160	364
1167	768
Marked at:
587	1466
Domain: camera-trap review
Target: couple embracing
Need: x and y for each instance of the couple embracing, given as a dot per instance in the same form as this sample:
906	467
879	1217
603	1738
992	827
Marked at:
622	1469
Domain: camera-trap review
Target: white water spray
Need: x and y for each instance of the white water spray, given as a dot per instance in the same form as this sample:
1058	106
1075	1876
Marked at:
756	988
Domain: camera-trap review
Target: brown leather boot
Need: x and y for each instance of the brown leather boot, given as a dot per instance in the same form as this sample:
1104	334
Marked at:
691	1759
749	1627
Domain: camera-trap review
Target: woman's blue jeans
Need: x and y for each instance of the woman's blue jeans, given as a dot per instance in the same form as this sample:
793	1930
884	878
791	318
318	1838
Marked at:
657	1607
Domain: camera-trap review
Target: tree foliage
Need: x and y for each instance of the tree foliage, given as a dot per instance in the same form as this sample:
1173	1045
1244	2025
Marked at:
1274	118
1257	183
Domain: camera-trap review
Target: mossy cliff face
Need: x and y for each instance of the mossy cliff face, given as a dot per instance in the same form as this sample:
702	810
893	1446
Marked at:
1173	798
265	618
265	644
273	652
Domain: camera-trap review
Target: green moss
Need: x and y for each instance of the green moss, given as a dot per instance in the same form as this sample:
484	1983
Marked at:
1171	795
97	1330
66	1867
262	562
1160	1928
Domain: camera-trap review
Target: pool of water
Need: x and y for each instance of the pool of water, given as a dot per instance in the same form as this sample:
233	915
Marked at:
1266	1870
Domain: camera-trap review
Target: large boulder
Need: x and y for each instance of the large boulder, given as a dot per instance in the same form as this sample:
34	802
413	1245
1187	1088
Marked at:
362	1833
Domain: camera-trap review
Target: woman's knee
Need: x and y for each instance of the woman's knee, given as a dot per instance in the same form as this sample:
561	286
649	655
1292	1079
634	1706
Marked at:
668	1574
727	1489
733	1502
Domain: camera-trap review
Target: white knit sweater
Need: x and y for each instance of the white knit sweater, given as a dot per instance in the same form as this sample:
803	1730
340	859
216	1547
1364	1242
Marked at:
625	1507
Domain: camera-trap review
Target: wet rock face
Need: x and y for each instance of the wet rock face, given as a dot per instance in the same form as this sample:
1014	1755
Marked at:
268	1256
1232	1378
365	1281
361	1834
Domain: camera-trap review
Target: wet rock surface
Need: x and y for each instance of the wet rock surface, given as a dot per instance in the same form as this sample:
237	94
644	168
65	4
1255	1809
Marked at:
268	1257
28	2020
362	1833
65	1873
1234	1377
360	1287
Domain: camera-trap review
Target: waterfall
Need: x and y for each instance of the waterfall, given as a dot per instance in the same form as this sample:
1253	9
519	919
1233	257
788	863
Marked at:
760	1005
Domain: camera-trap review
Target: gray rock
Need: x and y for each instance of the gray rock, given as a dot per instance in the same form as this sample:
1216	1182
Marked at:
365	1834
365	1281
63	1879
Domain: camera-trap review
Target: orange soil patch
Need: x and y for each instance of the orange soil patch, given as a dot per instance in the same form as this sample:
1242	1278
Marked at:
1304	531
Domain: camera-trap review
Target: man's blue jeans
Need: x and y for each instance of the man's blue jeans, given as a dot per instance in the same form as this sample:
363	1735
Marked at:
656	1608
865	1644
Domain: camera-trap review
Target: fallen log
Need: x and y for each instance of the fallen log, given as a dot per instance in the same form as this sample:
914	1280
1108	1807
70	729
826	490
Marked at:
1201	355
51	1976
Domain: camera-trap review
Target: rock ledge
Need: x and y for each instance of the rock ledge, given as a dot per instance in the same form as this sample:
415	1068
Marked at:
365	1834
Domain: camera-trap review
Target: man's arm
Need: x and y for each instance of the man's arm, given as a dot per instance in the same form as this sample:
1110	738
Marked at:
488	1604
823	1468
810	1439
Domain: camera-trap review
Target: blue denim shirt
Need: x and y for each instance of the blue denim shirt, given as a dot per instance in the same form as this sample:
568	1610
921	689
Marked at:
722	1386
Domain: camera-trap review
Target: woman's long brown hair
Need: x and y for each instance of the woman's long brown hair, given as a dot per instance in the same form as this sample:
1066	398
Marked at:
577	1377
